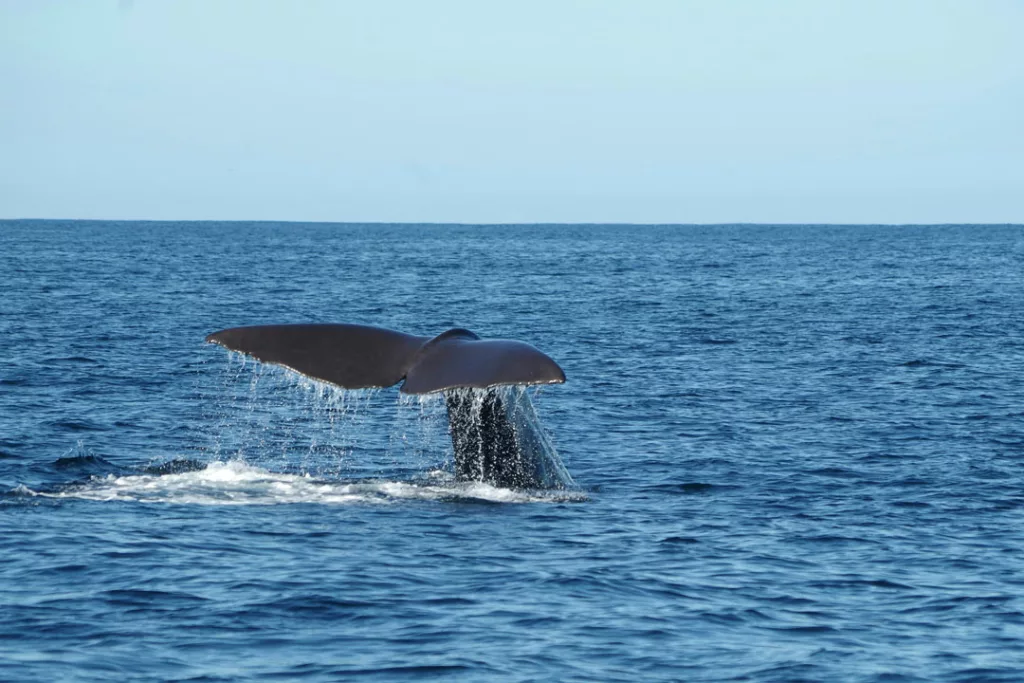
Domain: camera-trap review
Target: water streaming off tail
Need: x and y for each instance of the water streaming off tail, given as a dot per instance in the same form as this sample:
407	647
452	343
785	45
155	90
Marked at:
498	437
271	436
277	437
273	418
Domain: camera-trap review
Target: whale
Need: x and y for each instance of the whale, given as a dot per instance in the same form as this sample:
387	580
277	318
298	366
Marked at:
496	436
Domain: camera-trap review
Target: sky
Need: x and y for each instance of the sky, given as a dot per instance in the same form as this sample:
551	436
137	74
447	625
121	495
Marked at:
642	111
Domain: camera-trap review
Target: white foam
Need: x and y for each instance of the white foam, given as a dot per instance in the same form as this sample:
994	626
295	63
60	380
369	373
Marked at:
237	483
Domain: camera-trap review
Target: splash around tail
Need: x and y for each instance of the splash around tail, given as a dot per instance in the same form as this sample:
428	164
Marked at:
498	439
235	483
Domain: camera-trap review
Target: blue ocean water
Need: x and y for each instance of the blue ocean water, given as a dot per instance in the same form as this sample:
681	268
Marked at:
799	453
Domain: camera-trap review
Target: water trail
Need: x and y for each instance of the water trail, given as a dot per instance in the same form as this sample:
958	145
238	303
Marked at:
275	436
268	415
535	439
498	437
237	483
419	436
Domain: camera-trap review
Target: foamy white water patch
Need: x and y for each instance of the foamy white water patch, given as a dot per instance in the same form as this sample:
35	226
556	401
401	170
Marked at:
237	483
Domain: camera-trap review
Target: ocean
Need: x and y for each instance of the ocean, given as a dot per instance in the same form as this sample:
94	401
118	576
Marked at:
797	454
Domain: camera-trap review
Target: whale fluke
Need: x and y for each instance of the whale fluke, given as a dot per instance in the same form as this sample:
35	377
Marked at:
359	357
350	356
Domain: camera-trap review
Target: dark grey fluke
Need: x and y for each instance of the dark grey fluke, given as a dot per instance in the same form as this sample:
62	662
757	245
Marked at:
359	356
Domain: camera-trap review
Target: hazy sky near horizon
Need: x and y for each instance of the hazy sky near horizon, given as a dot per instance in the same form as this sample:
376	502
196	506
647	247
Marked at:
681	111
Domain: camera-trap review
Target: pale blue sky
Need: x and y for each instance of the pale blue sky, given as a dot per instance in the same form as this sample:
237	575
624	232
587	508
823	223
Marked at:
530	111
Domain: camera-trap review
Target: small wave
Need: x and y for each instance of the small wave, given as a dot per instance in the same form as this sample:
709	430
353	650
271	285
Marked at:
75	462
175	466
21	491
679	539
71	359
689	488
929	363
237	483
77	425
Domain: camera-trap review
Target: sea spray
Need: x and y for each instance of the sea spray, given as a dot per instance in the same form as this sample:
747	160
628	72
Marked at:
237	483
498	438
274	418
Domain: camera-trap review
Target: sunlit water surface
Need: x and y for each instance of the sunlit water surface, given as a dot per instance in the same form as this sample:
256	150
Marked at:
798	454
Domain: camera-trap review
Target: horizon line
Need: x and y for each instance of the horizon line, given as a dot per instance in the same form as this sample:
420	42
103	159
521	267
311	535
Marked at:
502	223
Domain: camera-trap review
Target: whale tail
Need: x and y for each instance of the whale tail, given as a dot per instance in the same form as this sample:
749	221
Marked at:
495	433
360	357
